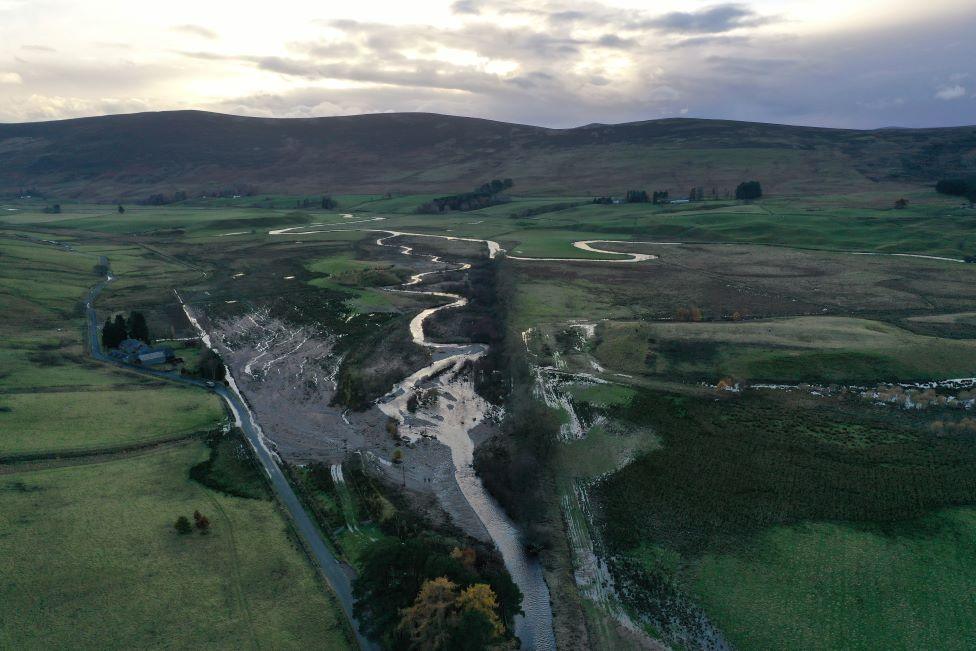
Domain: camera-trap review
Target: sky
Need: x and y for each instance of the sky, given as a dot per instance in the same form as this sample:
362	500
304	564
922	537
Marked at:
556	63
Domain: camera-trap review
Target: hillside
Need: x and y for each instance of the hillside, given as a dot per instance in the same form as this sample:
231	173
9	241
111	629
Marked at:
132	156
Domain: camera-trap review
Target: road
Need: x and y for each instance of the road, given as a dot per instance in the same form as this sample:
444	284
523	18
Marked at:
332	570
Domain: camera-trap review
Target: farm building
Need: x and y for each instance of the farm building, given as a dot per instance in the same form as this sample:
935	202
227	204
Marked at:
134	351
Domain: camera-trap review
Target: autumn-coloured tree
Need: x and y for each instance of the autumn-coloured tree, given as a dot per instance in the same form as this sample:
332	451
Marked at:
442	617
398	456
202	521
480	598
428	622
465	557
688	314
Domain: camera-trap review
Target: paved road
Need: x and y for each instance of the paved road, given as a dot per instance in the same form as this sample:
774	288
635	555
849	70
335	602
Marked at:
336	574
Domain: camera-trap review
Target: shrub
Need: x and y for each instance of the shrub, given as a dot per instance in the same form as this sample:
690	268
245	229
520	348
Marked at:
182	525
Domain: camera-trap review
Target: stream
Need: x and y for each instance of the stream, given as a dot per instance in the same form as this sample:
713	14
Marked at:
458	410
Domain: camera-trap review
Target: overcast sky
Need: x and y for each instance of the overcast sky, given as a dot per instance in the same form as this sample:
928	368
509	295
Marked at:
842	63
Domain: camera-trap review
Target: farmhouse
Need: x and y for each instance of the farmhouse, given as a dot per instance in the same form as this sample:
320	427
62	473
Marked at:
134	351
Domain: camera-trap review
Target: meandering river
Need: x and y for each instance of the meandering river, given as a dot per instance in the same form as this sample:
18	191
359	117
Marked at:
458	410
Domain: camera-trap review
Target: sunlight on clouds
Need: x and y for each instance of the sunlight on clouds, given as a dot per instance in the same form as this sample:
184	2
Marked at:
556	62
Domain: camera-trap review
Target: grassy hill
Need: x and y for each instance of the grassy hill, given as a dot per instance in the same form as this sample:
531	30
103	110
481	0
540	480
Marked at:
132	156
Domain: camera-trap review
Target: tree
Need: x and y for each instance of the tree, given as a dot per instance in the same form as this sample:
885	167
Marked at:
114	332
121	210
480	598
748	190
211	366
201	521
138	329
954	187
441	617
636	196
182	525
428	621
472	631
328	203
392	572
901	204
398	456
109	337
466	557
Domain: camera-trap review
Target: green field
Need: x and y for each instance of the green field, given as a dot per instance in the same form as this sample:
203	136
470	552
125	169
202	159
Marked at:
802	349
837	586
92	561
69	421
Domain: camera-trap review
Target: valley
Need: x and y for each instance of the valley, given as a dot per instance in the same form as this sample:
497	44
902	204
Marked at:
643	426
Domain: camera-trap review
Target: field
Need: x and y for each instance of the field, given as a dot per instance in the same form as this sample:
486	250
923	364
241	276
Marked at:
116	574
799	349
833	585
73	421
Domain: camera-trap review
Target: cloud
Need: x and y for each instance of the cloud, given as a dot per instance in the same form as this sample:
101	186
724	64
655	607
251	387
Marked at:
195	30
948	93
466	7
549	62
711	20
614	41
38	48
708	41
10	78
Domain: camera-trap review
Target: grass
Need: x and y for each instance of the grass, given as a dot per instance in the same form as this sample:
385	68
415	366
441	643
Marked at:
603	452
802	349
91	560
836	586
71	421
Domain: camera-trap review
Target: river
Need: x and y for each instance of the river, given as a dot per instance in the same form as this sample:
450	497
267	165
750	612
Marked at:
458	410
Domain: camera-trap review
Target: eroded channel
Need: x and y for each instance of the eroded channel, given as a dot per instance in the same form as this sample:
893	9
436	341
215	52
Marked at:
457	410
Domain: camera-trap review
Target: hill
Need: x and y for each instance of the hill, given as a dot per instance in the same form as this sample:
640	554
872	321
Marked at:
132	156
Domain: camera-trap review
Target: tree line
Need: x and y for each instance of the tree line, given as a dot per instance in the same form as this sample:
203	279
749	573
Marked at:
117	330
745	191
482	197
965	188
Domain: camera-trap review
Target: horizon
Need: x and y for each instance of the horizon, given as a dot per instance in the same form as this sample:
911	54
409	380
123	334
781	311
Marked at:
489	119
549	63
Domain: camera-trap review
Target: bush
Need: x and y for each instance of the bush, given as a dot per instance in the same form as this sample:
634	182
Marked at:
182	525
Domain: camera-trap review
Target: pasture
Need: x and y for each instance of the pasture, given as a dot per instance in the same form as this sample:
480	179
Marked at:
791	349
92	560
73	421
